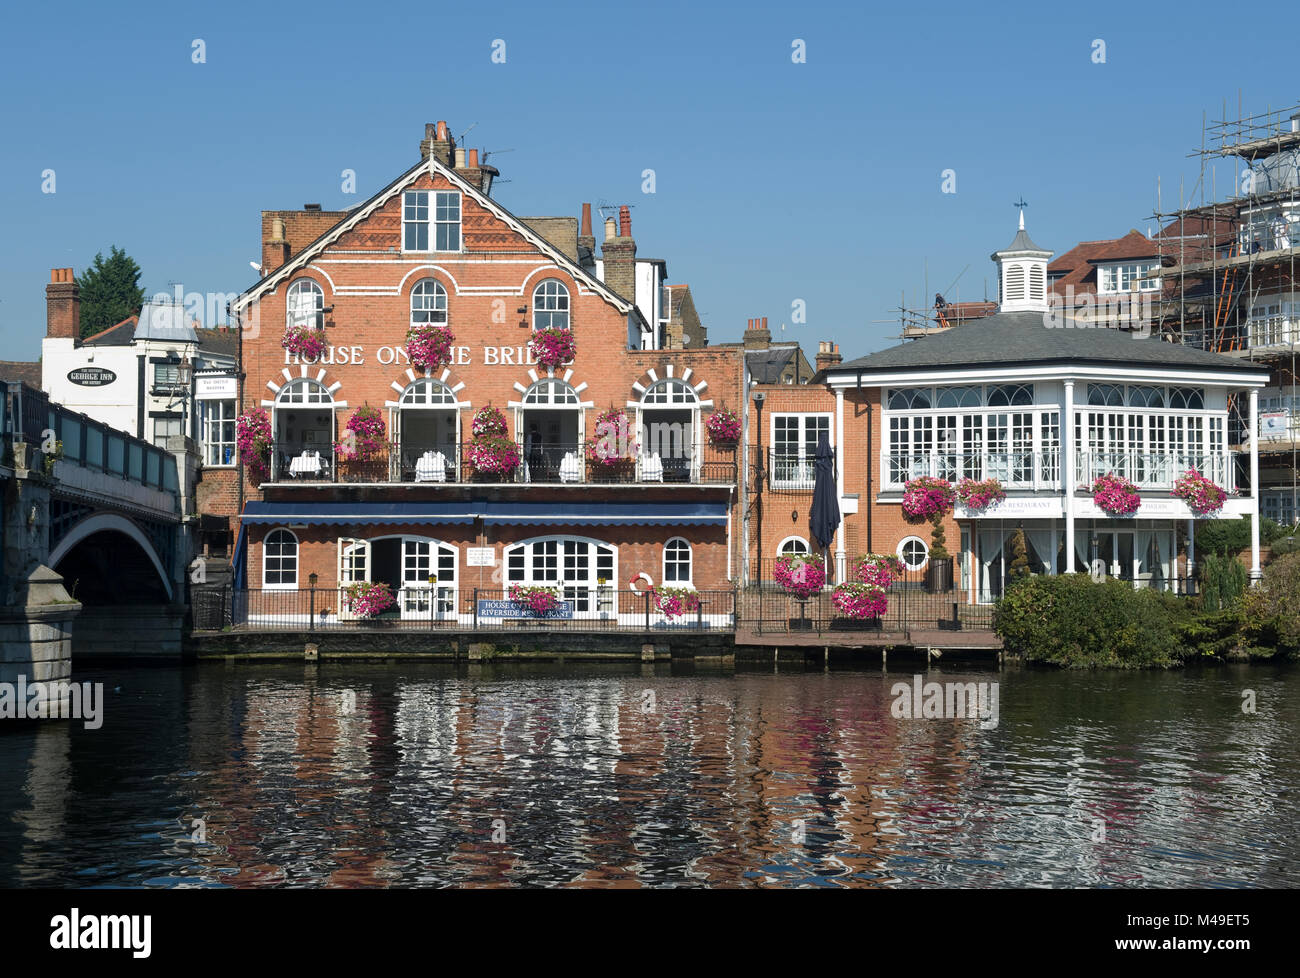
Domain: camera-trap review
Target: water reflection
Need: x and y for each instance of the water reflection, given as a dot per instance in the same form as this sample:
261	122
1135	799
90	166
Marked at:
412	775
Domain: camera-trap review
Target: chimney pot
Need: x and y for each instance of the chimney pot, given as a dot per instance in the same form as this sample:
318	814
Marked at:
442	130
460	157
610	230
63	305
586	221
625	221
473	158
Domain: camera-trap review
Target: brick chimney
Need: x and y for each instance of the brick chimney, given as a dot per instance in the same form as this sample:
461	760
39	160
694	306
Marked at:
828	355
619	254
476	173
585	238
62	306
275	246
757	335
437	142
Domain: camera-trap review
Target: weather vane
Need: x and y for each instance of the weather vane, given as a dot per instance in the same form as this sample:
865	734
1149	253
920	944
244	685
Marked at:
1021	203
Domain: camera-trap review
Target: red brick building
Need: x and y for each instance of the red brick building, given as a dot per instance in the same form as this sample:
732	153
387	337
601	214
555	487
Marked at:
434	248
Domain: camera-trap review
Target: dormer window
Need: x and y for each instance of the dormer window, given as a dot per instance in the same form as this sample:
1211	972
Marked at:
1128	277
431	220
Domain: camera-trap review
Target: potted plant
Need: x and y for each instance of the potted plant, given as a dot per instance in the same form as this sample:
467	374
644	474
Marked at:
980	495
253	438
801	575
553	347
491	455
1202	495
860	605
723	428
1115	495
364	444
611	452
368	599
541	601
306	341
429	346
672	602
930	499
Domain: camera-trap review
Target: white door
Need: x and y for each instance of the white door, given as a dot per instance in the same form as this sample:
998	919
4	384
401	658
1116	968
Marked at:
354	568
428	580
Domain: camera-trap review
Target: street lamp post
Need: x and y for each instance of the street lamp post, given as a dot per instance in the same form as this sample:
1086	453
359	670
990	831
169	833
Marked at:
759	397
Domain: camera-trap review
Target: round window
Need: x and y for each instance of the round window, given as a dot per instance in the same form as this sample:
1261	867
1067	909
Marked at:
913	552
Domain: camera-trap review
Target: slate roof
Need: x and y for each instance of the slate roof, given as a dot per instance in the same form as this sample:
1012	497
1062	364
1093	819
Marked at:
1021	338
27	371
1022	242
222	342
119	335
765	366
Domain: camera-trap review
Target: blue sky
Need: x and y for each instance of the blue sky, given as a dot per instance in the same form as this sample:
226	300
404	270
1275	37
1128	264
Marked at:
775	181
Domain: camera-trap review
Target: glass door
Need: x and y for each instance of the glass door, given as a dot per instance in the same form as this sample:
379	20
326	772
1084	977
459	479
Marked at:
354	568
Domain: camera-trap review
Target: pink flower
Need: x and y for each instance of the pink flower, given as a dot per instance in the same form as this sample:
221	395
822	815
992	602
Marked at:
857	600
369	598
253	439
539	600
552	347
800	574
611	443
429	347
1116	495
306	341
1201	495
675	601
926	497
980	495
723	426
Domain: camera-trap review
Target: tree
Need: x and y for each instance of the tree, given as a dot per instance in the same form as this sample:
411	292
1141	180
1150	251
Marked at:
110	291
1019	555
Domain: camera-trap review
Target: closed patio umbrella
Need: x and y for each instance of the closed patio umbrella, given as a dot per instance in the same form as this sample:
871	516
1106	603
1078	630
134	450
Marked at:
824	517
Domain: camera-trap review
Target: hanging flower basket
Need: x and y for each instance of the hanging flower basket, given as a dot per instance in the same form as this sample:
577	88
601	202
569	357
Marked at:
1115	495
364	437
980	495
538	600
493	456
429	347
723	428
801	574
253	438
369	598
926	498
674	602
612	443
305	341
1202	496
877	570
858	601
488	421
552	347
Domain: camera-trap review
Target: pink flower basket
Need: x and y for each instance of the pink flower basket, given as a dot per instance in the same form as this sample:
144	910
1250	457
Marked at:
801	574
538	600
674	602
369	598
927	497
429	347
253	439
856	600
980	495
1202	496
723	428
552	347
1116	495
305	341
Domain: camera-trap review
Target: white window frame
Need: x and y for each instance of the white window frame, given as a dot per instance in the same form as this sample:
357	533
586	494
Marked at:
431	206
294	305
781	551
439	306
600	601
688	582
552	304
805	457
206	425
902	544
296	560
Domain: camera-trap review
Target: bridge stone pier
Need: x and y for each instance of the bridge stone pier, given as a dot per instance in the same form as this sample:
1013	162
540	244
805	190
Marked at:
94	550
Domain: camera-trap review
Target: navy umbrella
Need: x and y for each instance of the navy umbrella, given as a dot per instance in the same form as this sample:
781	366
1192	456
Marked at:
824	517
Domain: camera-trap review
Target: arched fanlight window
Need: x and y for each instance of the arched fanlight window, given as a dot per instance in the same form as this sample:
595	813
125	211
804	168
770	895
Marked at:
280	560
551	391
909	398
1105	395
304	390
303	303
958	397
1007	395
793	545
1186	398
1143	396
428	303
670	390
550	305
427	392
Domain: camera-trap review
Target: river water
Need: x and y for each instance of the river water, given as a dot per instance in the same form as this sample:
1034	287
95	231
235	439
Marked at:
374	775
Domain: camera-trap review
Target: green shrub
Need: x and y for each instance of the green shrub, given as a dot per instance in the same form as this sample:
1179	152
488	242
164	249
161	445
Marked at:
1272	610
1286	545
1233	536
1223	582
1074	622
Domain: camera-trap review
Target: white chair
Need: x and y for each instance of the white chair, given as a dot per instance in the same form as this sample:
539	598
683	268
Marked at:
652	469
570	468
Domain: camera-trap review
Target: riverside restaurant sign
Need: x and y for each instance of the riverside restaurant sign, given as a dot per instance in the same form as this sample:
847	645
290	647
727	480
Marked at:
334	356
518	609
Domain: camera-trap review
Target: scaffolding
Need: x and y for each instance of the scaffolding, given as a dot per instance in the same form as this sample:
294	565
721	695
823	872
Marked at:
1228	269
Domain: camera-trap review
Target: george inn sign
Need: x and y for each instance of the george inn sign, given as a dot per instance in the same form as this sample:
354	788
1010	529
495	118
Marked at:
517	356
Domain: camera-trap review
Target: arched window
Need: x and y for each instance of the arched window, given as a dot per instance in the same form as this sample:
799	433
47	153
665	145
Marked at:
792	545
428	303
427	392
304	391
677	562
1141	396
1186	398
1105	395
1004	395
303	304
550	305
670	390
551	391
582	570
958	397
908	398
913	552
280	560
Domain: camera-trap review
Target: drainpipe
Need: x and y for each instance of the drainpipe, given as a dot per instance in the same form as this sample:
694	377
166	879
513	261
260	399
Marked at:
871	464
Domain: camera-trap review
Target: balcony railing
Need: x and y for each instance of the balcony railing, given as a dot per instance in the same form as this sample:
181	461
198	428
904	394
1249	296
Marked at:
1018	469
1042	470
564	463
792	470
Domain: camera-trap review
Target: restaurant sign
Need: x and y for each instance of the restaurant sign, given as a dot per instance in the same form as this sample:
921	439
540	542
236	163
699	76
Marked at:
518	609
91	376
